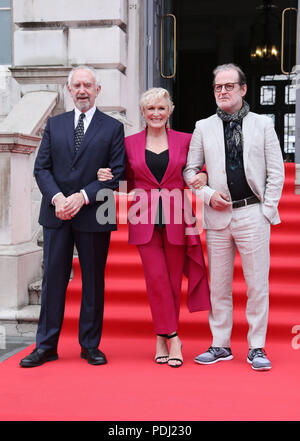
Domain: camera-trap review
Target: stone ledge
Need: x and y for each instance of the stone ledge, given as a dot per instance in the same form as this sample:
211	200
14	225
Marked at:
54	74
17	142
29	313
16	330
77	24
20	249
20	322
40	74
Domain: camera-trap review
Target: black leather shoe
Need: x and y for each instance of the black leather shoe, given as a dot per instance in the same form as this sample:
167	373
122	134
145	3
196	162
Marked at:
39	357
93	356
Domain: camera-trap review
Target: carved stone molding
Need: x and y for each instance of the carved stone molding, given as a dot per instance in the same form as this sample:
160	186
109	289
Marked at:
18	143
53	74
72	24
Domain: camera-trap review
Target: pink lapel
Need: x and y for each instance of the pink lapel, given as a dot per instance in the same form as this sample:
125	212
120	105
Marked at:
173	153
140	147
139	151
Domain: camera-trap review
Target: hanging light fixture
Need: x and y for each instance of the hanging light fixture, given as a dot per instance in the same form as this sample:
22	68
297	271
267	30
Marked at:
266	38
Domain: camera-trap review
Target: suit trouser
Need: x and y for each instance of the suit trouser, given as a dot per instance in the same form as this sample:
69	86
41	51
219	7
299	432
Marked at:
249	232
58	257
163	265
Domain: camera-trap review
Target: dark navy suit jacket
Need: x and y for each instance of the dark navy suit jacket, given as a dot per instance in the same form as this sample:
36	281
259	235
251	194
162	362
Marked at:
58	169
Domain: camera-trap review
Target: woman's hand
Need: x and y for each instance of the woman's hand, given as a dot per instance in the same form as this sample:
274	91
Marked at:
198	181
104	174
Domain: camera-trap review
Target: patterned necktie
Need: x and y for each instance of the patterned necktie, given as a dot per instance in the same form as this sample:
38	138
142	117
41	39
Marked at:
234	144
79	132
234	134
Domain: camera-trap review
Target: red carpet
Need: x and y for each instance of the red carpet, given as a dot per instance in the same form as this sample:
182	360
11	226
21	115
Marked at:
131	387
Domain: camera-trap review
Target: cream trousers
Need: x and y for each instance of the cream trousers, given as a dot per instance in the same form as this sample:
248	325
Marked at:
249	233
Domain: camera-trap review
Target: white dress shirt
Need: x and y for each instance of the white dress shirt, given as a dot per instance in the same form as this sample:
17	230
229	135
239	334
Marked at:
87	118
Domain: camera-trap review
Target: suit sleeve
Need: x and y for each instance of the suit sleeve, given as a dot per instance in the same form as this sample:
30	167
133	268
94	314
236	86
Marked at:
116	163
274	169
195	162
43	171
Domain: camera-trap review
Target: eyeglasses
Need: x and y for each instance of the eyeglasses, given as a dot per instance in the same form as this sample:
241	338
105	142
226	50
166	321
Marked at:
228	86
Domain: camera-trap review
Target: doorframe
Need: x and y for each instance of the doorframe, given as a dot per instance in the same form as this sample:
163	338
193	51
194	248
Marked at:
297	143
150	40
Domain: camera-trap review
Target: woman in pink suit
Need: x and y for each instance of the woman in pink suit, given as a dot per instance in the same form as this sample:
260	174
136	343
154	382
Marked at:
156	157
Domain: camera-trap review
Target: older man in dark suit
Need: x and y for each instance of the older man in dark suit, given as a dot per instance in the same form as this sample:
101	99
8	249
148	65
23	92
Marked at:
74	146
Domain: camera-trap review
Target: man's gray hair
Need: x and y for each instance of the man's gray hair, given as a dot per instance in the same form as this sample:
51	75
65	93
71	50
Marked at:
221	67
89	68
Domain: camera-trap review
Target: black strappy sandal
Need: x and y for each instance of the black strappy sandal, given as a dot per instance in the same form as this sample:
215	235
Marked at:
175	359
160	357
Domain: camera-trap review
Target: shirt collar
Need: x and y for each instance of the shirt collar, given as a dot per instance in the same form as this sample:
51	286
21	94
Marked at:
88	115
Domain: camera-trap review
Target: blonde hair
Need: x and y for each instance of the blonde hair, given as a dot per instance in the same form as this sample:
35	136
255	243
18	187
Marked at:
153	95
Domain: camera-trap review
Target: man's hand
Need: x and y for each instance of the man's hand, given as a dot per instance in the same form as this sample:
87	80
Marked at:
73	204
219	201
104	174
198	181
59	203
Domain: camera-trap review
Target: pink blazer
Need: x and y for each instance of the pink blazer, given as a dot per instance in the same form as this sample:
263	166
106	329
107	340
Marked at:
140	177
144	207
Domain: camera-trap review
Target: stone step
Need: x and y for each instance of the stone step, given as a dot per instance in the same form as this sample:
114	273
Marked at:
20	322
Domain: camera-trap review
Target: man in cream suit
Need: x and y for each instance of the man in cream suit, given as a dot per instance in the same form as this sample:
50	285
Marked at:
245	169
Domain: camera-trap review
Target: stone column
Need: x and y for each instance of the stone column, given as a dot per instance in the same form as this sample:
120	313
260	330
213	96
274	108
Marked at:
20	259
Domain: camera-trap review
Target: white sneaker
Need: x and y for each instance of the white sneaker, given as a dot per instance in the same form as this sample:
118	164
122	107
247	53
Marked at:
213	355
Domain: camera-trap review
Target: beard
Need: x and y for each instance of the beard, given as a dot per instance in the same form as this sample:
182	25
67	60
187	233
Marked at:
83	105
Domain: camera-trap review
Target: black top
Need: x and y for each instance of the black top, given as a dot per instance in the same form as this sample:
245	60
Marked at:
236	179
157	164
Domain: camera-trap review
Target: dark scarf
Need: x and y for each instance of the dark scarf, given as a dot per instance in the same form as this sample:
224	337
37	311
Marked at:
234	135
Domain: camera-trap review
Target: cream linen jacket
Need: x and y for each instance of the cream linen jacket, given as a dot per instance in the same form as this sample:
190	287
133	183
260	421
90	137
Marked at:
263	165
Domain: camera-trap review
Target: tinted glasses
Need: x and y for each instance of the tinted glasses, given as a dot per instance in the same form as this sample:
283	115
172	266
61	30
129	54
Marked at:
228	87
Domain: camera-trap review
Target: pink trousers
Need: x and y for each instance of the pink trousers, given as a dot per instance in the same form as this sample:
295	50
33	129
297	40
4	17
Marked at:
163	268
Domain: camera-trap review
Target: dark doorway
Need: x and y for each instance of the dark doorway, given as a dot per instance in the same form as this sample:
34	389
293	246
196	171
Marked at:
210	33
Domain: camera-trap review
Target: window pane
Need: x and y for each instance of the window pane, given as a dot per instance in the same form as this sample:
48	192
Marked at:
267	95
290	94
275	77
4	3
5	41
289	132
